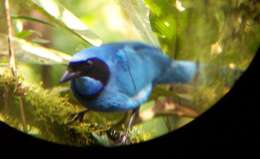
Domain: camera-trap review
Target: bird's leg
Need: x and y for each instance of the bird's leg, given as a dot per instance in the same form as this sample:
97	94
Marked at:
133	115
77	117
124	139
113	133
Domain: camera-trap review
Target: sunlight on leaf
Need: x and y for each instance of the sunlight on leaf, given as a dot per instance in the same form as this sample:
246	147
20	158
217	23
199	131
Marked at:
68	20
139	15
179	6
33	53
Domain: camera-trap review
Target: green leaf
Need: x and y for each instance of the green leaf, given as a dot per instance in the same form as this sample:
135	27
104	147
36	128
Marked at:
33	53
26	33
31	19
68	20
40	41
138	13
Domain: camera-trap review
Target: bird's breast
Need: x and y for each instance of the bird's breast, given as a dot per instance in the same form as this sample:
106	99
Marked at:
86	88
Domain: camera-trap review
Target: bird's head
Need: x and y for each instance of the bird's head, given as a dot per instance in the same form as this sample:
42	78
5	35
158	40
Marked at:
91	67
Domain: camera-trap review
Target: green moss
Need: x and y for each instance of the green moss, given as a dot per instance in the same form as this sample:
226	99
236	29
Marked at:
46	112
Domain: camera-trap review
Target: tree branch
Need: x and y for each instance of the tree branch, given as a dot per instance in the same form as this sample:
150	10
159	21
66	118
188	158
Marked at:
168	107
10	30
12	56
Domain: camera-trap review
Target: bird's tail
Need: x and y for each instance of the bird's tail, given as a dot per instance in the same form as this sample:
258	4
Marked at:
181	71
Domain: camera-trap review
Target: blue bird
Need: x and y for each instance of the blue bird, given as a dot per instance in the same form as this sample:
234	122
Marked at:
120	76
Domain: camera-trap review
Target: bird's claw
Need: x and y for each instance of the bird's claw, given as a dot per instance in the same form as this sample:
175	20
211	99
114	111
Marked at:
119	138
123	140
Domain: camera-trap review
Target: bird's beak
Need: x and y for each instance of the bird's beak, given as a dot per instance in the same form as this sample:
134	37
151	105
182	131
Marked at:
68	75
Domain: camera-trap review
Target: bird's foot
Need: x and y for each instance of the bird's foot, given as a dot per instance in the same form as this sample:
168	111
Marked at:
77	117
119	138
123	139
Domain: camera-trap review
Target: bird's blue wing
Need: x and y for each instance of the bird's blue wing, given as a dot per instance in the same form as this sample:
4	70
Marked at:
136	65
146	64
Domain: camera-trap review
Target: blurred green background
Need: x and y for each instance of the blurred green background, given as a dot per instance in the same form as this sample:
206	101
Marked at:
222	33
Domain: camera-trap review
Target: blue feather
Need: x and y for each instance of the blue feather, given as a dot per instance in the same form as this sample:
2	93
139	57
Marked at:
179	72
134	69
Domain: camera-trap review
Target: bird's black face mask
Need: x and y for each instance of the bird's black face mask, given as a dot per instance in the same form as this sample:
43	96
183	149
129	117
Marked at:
94	68
77	69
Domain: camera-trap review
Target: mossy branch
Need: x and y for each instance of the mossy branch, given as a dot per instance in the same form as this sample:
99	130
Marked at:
46	110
